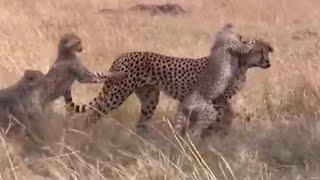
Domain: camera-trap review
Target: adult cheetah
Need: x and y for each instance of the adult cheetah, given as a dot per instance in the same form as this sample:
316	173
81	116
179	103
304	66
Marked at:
146	74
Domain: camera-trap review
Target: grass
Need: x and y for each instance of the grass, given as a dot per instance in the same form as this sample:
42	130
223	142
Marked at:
275	130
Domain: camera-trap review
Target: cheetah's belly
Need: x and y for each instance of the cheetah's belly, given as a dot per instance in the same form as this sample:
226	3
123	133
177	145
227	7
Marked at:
176	89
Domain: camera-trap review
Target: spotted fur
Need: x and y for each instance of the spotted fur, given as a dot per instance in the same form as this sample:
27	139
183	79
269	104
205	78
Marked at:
258	56
148	73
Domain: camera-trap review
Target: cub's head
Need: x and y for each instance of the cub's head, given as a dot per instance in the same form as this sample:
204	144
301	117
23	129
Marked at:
32	75
31	78
258	56
70	43
226	36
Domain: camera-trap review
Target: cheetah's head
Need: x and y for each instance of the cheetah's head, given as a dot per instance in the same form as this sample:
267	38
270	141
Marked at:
32	75
258	56
70	43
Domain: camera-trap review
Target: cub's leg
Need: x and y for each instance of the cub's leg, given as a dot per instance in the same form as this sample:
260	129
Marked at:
222	123
186	114
149	98
215	126
183	120
196	114
205	116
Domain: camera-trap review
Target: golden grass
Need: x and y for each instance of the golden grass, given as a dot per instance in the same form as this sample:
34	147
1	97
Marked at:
281	140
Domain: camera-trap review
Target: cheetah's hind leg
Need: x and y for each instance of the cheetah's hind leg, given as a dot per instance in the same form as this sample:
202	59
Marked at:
149	98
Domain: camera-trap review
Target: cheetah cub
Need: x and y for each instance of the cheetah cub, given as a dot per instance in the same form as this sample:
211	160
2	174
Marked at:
17	102
258	56
221	67
36	90
68	68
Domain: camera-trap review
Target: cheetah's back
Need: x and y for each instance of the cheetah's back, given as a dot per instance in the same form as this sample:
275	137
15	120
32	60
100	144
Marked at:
174	76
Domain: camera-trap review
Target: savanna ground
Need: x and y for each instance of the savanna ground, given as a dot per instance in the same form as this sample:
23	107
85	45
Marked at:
275	132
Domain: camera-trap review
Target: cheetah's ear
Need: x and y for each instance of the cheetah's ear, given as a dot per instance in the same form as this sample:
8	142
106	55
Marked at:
267	45
270	48
29	74
227	27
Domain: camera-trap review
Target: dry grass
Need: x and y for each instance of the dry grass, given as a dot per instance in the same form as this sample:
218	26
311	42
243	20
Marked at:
281	140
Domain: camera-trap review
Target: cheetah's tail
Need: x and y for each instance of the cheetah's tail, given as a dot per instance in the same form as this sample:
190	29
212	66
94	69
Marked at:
71	107
109	80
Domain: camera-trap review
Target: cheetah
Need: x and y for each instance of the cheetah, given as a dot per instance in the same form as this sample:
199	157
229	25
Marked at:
39	93
68	68
207	113
146	74
221	67
237	83
17	102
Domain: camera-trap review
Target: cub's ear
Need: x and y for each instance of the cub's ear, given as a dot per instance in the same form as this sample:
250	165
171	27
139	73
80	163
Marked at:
267	45
227	27
270	48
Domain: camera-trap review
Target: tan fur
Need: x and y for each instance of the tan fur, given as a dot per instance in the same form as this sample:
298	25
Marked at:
68	68
146	74
17	102
205	115
28	94
222	65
